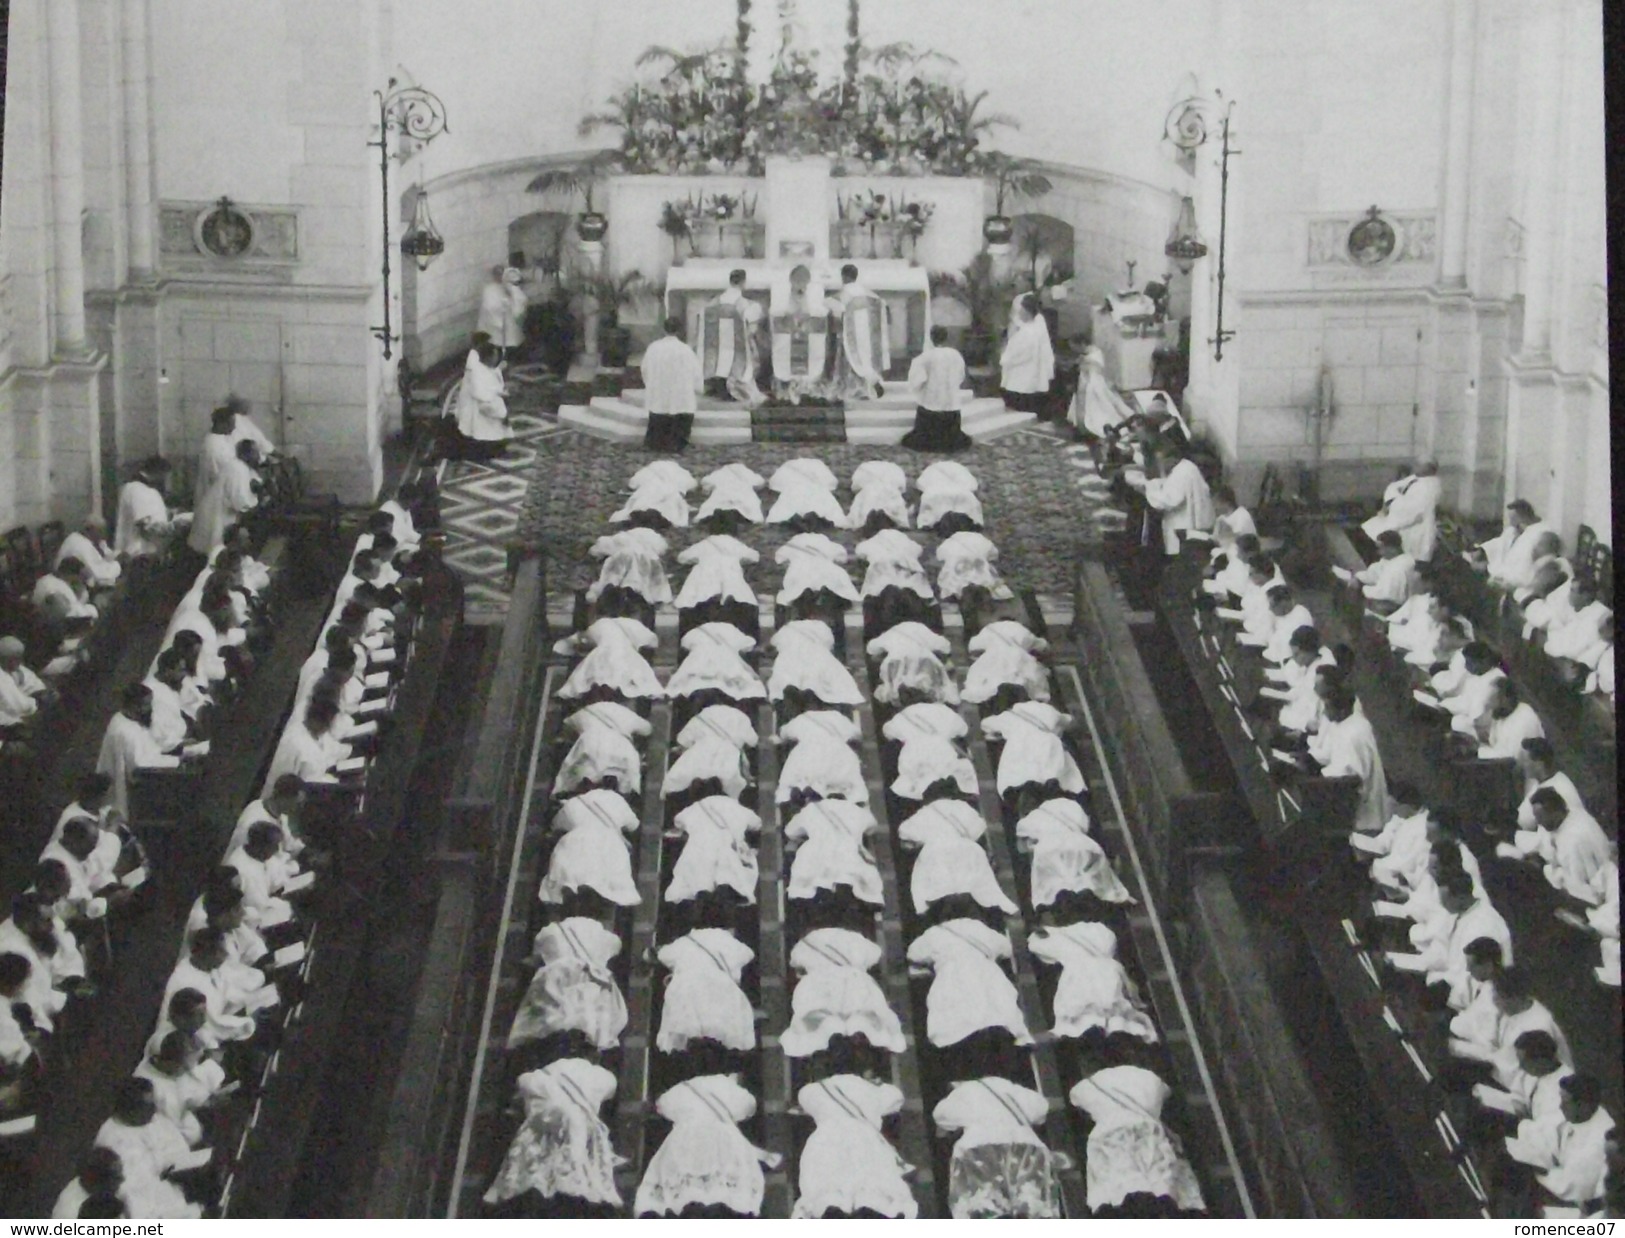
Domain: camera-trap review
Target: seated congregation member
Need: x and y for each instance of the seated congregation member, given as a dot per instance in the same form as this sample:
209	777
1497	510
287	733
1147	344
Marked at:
672	379
89	858
1584	637
705	1162
715	589
268	875
1499	733
562	1149
847	1167
1027	365
910	656
130	745
605	751
21	691
1509	557
172	726
1252	610
1418	900
1529	1088
1402	843
971	999
703	1000
948	501
952	863
229	1005
1178	494
806	674
837	996
1130	1151
1231	521
822	764
827	841
936	378
1568	1153
62	598
309	746
1410	508
593	853
1066	861
1347	748
878	497
806	495
999	1166
1548	571
254	575
1475	1016
1387	582
1567	842
1292	683
1441	943
1230	573
183	1082
1283	617
1033	754
573	989
1419	615
614	665
145	525
1095	992
88	545
713	670
19	1037
717	853
151	1148
1464	689
101	1189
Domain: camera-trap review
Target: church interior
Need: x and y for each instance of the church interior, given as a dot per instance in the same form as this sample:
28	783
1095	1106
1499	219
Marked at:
807	608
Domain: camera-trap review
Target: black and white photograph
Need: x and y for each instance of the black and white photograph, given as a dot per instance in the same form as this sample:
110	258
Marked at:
807	610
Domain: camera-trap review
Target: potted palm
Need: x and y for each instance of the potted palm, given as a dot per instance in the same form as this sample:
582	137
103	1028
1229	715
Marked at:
581	178
607	296
1012	178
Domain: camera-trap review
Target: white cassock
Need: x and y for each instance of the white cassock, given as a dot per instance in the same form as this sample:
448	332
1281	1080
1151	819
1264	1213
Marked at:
1412	505
663	470
168	719
1399	848
139	504
832	850
672	377
659	497
705	1159
894	562
912	656
716	850
126	747
951	859
967	559
1571	1159
53	594
1094	990
846	1163
1351	749
1507	734
178	1097
999	1168
836	995
148	1151
804	660
1301	709
823	760
592	854
632	560
573	990
812	562
703	1000
712	663
925	720
1130	1150
40	992
926	760
1278	648
1388	580
562	1147
502	313
1027	365
603	748
1572	855
1005	656
1064	857
1579	638
1184	501
1442	942
717	573
969	991
1511	556
1033	752
615	661
482	412
1547	614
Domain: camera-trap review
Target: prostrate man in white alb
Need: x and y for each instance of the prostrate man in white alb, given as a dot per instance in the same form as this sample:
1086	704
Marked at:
936	378
672	379
1410	507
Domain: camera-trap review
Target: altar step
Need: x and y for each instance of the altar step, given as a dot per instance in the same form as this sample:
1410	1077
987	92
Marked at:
789	424
984	420
620	419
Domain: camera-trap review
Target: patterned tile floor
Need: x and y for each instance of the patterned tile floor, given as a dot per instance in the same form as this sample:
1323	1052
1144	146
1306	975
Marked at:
482	504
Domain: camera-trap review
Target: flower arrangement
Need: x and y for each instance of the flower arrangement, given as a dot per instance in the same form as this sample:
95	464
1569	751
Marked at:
721	206
677	218
916	215
865	207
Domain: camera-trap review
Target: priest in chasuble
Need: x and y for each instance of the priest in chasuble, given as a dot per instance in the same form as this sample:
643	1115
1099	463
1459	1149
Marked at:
800	324
730	347
863	352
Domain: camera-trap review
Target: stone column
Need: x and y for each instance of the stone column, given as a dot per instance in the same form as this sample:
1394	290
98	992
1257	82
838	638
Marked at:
1458	146
1543	79
67	180
141	216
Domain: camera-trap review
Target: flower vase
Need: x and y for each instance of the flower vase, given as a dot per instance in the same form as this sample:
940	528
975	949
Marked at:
871	252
